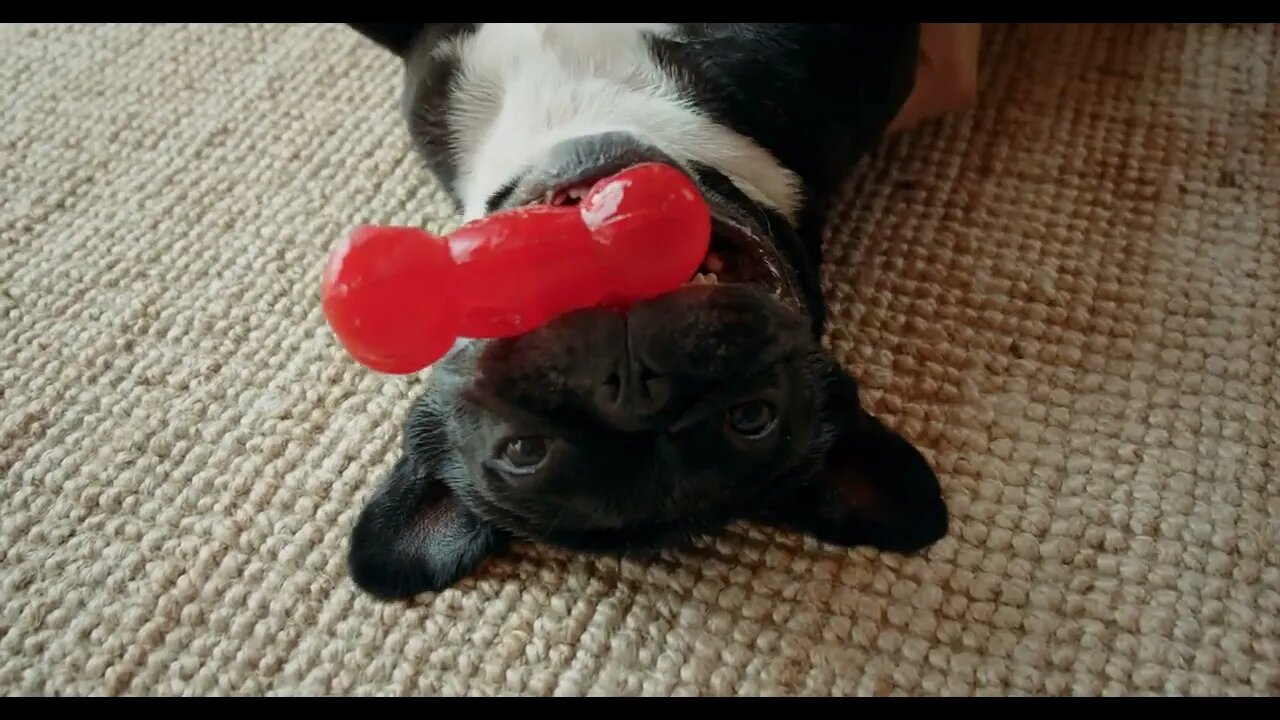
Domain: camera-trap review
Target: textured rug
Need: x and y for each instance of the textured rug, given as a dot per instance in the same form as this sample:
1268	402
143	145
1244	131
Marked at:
1069	298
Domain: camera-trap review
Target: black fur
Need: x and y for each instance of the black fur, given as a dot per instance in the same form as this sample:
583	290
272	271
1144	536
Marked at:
816	95
396	37
613	433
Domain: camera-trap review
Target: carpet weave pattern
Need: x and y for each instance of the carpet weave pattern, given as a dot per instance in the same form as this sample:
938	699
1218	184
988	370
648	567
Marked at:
1069	298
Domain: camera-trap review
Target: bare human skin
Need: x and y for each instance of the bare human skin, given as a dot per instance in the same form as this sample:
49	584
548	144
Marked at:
947	77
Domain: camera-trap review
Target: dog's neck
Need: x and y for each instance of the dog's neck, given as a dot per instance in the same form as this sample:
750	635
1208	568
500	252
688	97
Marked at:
517	89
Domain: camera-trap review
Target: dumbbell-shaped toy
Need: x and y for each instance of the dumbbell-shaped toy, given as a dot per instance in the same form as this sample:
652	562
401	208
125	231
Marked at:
397	298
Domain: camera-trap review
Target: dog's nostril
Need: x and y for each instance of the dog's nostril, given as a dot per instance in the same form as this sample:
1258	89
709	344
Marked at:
647	376
657	389
632	401
611	388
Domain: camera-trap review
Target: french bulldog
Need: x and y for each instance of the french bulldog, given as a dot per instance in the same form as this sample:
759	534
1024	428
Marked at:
626	433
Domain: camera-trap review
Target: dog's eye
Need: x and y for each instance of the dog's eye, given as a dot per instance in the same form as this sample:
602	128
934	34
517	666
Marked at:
524	455
753	419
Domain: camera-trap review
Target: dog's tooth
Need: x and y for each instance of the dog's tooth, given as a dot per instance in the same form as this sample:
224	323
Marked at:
549	198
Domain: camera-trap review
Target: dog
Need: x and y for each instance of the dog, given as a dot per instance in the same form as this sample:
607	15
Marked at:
623	434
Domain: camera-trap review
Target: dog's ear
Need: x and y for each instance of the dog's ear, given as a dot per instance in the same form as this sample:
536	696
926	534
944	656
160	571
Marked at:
396	37
413	535
873	489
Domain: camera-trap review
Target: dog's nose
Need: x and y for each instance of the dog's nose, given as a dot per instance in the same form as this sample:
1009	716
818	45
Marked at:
626	389
633	397
578	161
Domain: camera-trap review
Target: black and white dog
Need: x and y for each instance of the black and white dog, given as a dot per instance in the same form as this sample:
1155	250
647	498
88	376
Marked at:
713	404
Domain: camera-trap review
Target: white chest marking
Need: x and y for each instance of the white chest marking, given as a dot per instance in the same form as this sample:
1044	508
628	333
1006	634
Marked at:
523	87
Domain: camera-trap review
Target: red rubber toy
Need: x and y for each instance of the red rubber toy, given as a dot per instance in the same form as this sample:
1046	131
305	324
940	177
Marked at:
398	298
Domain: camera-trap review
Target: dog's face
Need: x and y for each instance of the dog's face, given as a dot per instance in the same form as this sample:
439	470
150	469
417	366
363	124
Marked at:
617	432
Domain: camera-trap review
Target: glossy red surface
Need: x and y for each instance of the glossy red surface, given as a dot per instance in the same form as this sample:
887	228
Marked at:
397	298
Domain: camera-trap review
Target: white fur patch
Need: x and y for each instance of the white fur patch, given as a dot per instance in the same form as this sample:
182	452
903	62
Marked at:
523	87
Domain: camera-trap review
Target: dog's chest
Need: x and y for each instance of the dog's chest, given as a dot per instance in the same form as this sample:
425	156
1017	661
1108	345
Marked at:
523	87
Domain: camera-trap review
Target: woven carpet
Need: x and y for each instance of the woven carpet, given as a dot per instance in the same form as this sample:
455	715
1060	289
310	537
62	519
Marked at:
1068	297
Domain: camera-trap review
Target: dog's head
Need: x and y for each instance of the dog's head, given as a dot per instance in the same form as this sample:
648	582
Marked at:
612	432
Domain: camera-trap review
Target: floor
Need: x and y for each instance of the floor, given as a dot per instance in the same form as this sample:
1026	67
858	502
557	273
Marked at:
1067	297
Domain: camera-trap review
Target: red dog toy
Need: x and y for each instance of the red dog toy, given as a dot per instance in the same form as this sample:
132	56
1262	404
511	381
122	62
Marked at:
397	298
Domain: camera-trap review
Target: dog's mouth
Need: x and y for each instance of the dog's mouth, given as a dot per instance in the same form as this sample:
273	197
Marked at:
738	254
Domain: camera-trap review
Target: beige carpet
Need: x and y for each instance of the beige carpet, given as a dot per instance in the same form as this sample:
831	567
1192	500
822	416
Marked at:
1069	297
